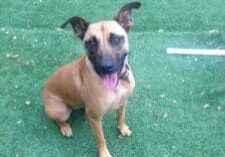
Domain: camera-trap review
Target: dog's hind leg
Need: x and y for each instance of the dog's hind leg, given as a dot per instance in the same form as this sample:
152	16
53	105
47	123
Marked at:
59	112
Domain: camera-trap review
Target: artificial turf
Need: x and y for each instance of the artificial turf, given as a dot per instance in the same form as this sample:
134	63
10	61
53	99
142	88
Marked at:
177	109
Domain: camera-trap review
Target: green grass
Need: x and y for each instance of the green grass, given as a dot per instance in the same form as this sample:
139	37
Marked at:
166	111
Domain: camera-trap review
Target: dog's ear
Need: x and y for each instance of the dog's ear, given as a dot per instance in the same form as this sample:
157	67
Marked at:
124	16
79	25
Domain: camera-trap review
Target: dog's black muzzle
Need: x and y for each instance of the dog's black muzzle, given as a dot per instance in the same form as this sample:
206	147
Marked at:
106	64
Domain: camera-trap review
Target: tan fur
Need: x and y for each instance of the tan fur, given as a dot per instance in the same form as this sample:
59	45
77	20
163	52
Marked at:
102	30
77	85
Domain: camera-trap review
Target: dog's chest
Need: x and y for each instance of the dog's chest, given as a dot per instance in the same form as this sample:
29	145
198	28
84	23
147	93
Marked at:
115	99
100	100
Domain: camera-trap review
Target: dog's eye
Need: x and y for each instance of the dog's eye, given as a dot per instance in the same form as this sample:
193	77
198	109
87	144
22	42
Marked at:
91	44
114	39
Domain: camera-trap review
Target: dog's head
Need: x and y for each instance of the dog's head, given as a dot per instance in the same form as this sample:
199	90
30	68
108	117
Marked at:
106	42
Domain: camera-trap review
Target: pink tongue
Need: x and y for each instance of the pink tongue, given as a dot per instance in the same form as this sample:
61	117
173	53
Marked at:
109	81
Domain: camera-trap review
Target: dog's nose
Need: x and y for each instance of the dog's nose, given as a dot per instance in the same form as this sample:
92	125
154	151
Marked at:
106	64
107	68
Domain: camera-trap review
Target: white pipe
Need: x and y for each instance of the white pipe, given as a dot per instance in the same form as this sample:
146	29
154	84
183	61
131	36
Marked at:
212	52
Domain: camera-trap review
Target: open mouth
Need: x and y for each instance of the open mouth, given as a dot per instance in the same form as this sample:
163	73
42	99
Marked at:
109	70
109	81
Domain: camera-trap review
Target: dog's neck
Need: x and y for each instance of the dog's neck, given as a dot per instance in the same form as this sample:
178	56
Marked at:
124	75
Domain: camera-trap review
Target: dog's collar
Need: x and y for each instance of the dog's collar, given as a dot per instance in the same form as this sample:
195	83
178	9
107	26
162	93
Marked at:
125	75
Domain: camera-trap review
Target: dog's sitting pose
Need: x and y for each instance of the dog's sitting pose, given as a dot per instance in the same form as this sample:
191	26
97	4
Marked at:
100	81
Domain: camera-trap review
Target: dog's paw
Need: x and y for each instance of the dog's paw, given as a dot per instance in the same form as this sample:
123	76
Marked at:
66	130
104	153
124	130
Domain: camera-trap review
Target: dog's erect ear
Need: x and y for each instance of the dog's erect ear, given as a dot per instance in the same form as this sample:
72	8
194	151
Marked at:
124	17
79	25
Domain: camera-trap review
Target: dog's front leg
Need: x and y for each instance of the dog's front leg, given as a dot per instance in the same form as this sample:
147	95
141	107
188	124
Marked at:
122	126
96	125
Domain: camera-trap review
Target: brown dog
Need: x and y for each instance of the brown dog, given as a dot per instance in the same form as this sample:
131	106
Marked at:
100	81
